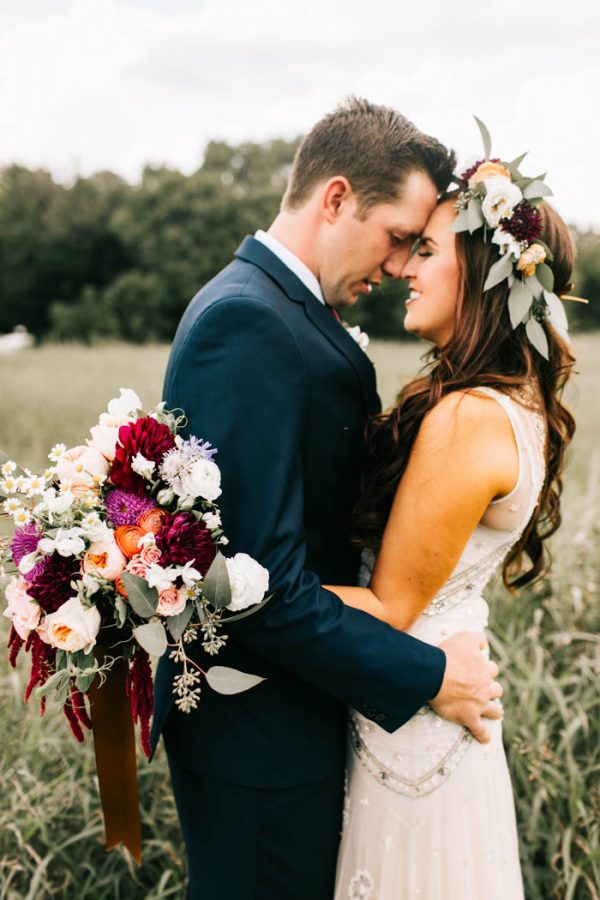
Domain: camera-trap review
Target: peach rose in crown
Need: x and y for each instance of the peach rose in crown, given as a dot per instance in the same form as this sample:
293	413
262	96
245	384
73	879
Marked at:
488	169
171	601
82	469
104	558
73	627
530	259
22	610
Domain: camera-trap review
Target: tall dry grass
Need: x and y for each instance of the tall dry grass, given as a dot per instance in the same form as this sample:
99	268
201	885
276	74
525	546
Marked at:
546	641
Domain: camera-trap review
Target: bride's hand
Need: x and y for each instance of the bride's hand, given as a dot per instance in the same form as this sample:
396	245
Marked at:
469	691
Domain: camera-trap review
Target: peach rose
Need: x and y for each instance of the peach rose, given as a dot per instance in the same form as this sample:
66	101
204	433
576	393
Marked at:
152	519
73	627
171	601
488	169
136	566
22	610
127	538
105	559
81	469
530	259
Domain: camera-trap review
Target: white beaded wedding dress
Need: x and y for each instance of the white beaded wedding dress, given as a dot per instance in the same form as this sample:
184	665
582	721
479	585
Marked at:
429	811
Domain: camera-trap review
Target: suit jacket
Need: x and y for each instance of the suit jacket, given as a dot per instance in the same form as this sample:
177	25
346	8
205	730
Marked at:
266	373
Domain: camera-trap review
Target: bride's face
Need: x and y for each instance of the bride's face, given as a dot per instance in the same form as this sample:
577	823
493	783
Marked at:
434	279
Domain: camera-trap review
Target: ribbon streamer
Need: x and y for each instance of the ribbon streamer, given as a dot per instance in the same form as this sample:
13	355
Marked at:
114	741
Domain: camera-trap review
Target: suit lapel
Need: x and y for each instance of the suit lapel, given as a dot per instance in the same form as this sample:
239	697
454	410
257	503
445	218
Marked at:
258	254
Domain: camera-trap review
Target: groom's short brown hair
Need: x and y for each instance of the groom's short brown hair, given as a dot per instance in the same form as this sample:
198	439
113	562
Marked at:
374	147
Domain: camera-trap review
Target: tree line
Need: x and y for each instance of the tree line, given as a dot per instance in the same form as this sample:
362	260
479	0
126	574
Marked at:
102	259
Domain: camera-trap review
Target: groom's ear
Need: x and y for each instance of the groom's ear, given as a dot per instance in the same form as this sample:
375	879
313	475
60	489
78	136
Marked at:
336	193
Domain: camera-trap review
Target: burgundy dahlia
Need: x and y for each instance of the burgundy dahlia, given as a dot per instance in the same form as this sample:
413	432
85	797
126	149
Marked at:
125	508
25	541
52	587
146	436
525	224
184	539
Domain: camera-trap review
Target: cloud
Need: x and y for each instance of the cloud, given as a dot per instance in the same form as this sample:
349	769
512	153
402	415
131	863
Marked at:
117	83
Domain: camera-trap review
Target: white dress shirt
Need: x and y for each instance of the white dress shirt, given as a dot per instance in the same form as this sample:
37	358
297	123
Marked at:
290	260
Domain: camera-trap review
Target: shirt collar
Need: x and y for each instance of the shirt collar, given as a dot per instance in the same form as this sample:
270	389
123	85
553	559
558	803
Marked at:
292	262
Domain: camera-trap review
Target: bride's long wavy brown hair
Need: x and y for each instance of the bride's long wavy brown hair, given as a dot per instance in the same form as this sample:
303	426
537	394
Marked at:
484	350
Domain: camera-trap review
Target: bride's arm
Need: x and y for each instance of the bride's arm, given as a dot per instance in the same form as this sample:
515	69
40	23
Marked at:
463	457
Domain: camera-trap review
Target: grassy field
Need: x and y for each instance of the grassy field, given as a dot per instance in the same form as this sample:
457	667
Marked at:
546	641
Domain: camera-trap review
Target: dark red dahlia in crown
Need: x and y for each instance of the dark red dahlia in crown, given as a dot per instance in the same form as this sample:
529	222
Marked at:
525	224
184	539
146	436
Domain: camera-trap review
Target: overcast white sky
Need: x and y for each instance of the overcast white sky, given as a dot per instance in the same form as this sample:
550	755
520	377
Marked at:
113	84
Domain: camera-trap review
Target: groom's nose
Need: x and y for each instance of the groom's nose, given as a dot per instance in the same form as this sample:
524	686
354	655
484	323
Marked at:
395	262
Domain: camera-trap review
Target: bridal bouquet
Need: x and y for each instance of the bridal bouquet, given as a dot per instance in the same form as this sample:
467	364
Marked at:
117	556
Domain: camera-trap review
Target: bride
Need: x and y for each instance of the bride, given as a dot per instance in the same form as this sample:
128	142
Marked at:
464	475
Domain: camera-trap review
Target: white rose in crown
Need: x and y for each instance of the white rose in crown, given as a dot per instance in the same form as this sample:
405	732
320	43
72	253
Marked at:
501	198
72	627
249	581
203	480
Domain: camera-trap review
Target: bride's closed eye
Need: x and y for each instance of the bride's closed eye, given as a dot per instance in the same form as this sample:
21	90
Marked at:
424	253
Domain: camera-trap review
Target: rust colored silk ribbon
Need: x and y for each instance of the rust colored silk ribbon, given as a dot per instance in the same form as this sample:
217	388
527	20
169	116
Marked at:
114	741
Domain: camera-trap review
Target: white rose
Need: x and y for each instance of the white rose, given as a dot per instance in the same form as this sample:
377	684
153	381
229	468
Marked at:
501	198
72	627
506	242
249	581
142	466
204	480
211	520
126	404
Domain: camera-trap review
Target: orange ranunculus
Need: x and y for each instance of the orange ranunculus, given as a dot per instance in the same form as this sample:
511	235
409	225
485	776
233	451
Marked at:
127	538
152	519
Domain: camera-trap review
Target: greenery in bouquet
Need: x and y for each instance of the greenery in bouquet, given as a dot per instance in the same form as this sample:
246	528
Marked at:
117	555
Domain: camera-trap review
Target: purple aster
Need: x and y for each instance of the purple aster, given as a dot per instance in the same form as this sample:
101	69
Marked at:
25	541
125	508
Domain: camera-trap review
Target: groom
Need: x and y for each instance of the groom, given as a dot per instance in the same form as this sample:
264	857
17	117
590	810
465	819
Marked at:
265	372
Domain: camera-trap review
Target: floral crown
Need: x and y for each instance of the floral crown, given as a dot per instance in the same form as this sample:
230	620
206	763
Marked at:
496	197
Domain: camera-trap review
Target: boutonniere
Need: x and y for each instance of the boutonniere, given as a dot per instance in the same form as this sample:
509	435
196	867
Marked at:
361	337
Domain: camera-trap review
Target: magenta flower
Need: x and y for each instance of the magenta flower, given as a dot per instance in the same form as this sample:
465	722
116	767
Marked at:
125	508
525	224
25	541
183	540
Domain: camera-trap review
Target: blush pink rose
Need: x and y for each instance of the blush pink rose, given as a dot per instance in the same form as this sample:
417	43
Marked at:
151	555
80	468
22	610
171	601
136	566
104	559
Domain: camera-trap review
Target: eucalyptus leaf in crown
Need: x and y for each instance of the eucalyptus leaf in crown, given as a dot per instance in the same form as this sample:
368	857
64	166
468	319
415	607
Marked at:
497	198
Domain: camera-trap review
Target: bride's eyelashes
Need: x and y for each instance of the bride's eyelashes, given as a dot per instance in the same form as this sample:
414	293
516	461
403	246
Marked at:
424	253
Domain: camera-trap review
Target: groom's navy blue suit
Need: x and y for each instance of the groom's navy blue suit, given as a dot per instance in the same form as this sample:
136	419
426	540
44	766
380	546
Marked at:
265	372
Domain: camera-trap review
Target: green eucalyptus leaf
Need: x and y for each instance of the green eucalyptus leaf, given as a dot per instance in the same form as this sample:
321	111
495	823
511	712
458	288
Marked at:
536	287
152	637
519	302
535	189
216	588
498	272
557	315
178	624
545	276
224	680
537	337
461	222
141	596
474	215
515	163
485	137
247	612
121	611
61	660
84	682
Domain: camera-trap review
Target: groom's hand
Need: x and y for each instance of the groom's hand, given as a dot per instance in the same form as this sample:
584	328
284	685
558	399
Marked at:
468	690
